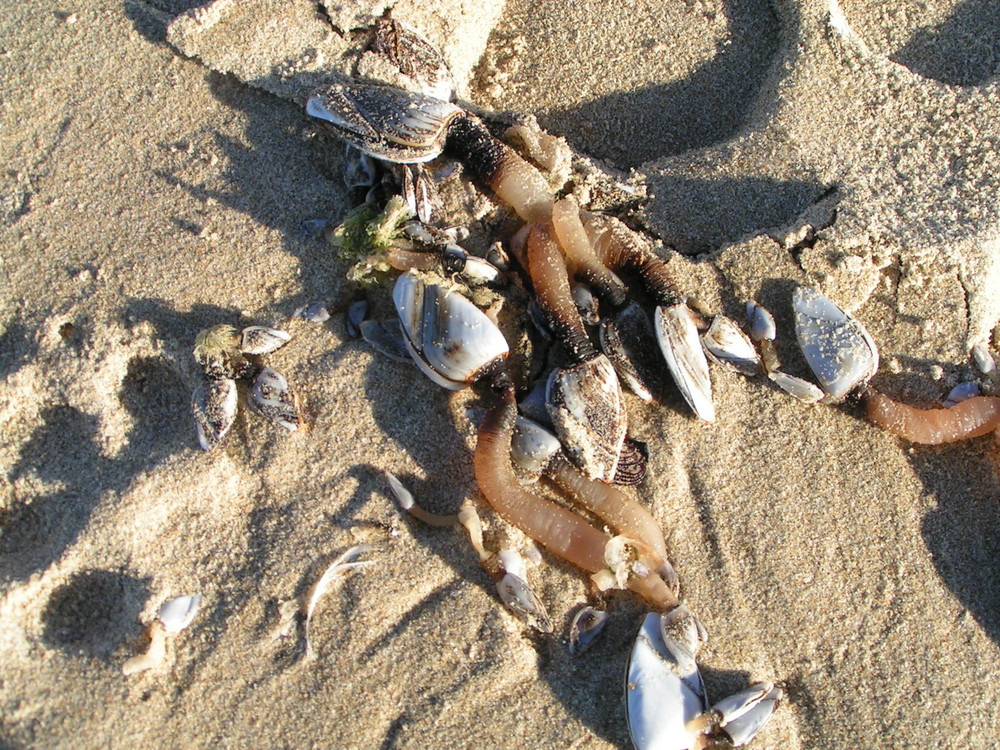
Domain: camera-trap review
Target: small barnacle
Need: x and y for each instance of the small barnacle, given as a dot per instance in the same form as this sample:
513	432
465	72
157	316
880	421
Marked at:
518	595
587	625
174	616
273	398
214	406
262	340
217	350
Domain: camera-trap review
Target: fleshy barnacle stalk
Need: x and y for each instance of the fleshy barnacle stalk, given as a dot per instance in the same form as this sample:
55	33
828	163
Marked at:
557	528
406	128
535	449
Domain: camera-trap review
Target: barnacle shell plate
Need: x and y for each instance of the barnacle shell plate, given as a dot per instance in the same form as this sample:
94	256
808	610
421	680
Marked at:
385	122
663	687
449	338
837	348
586	406
727	345
680	345
532	445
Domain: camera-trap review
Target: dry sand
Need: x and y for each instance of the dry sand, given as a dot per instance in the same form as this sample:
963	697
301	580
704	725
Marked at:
147	194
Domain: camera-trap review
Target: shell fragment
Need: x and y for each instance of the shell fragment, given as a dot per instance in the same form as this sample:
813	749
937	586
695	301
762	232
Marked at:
177	613
681	348
727	345
838	349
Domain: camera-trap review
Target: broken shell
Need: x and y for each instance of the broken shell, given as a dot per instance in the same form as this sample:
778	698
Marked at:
418	190
627	340
663	687
727	345
314	312
357	313
384	121
587	625
416	58
399	490
740	717
475	270
177	613
586	406
386	336
262	340
983	358
961	392
274	399
479	271
532	405
837	347
762	326
214	408
452	341
532	445
682	350
360	169
801	389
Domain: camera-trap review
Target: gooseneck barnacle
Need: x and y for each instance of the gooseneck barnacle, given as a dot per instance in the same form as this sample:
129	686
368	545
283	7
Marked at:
560	530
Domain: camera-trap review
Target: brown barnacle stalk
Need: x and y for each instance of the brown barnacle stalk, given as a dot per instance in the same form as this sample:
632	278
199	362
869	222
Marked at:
559	529
549	275
971	418
611	505
621	249
516	182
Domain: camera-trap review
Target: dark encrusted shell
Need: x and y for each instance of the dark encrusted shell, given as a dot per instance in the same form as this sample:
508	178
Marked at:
632	463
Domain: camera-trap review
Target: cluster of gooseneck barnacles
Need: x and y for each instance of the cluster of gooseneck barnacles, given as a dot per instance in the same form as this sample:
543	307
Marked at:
575	263
228	356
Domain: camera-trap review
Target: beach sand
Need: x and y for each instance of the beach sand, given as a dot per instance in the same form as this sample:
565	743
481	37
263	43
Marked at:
158	169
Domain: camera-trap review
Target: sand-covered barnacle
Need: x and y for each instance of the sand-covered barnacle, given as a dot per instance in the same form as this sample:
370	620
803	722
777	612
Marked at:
262	340
218	351
385	122
173	617
214	405
273	398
